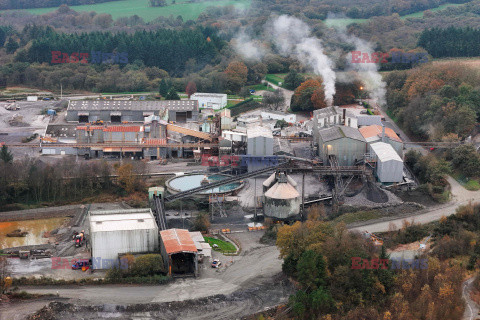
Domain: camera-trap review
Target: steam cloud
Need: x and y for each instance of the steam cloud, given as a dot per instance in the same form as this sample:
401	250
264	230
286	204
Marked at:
293	38
368	72
247	47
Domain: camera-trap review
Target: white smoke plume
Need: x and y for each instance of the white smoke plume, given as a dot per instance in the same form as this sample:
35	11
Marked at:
367	72
293	38
248	48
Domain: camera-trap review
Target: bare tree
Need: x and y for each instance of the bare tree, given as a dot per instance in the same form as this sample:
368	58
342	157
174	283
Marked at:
274	100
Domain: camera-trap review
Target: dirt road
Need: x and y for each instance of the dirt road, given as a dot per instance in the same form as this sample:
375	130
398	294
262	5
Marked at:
287	94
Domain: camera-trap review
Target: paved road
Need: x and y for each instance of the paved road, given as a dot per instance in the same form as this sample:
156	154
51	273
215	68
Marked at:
460	196
256	265
471	309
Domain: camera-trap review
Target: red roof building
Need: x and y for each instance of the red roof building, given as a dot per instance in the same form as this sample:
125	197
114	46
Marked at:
179	252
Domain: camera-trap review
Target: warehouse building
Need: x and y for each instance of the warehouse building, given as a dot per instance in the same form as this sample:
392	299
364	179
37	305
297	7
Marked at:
116	232
376	133
343	142
210	100
90	111
179	252
259	141
389	165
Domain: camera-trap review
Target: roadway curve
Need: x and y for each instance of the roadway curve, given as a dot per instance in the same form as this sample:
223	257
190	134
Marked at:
471	309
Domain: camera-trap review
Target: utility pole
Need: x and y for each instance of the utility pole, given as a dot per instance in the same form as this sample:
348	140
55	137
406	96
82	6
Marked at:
61	91
255	200
303	196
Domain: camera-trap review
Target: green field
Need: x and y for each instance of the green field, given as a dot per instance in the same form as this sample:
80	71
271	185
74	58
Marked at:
346	21
189	11
223	246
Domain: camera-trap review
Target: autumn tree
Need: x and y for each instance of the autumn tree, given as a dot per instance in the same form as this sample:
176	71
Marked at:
236	73
126	177
309	96
191	88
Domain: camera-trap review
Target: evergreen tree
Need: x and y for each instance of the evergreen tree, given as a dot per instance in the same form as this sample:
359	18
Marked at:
164	88
11	46
172	95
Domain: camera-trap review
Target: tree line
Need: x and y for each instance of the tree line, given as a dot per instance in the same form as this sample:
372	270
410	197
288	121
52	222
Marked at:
28	4
451	42
166	49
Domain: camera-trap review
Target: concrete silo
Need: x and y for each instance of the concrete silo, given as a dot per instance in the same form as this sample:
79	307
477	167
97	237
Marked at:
281	198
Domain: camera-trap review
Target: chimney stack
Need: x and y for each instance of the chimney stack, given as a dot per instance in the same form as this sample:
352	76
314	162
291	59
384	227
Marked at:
383	133
344	117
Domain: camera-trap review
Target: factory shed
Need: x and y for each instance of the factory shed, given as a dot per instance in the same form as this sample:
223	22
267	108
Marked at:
343	142
377	133
179	252
259	141
115	232
389	167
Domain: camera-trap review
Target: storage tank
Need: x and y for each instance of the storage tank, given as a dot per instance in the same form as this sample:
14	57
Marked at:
281	198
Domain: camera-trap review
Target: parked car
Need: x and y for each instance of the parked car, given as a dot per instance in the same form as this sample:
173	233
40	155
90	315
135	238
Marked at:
216	263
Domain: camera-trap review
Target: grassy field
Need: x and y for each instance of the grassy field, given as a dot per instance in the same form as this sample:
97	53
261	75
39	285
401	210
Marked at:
352	217
223	246
471	184
189	11
343	22
274	78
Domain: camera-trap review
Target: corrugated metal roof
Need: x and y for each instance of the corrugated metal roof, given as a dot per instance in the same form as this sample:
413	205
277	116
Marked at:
122	222
177	240
90	128
339	132
107	105
259	132
123	129
385	152
375	131
331	111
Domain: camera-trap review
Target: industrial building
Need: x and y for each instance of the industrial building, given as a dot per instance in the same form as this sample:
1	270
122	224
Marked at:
259	141
376	133
210	100
90	111
114	232
281	199
278	115
331	116
343	142
179	252
389	165
368	120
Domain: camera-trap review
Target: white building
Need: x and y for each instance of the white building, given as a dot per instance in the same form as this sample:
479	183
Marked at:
259	142
389	166
277	115
113	232
210	100
331	116
234	136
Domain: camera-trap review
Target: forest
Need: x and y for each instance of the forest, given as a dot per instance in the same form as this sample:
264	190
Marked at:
451	42
318	256
27	4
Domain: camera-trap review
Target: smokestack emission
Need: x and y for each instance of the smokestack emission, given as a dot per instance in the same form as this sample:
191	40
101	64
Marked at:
293	38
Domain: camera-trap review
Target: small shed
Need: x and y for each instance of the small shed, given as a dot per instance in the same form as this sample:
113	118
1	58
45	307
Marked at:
389	167
179	252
